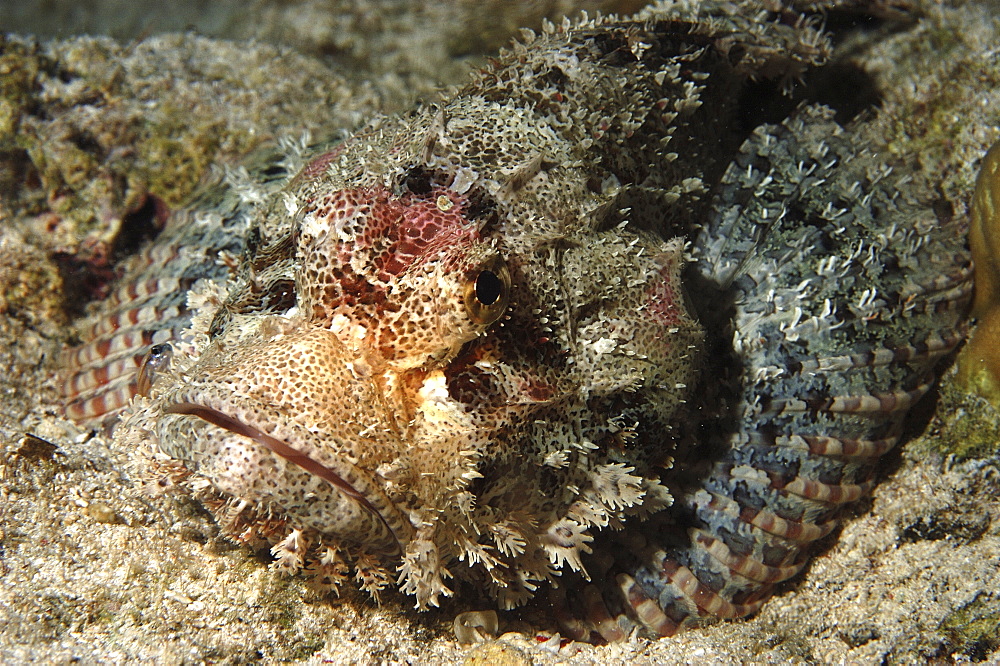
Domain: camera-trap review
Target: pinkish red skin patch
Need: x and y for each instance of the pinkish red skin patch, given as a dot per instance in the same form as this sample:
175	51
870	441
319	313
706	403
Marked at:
375	239
317	166
410	230
397	232
666	304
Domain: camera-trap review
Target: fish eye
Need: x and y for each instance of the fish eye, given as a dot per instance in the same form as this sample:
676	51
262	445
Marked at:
157	359
487	290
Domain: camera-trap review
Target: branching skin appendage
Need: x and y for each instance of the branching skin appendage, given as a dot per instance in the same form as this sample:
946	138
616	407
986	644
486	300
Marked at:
569	331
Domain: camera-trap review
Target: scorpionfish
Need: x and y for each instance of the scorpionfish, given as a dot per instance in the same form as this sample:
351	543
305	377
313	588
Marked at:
570	330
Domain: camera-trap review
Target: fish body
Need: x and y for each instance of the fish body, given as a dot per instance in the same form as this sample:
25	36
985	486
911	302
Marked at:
569	327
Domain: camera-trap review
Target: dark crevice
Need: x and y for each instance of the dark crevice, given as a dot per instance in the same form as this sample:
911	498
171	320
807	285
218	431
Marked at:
88	272
138	226
844	87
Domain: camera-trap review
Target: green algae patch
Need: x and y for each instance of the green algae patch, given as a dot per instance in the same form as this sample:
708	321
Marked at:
20	64
281	600
979	361
942	109
974	629
175	165
92	127
968	424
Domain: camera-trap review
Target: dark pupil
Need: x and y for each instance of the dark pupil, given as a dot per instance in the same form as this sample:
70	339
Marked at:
488	287
159	350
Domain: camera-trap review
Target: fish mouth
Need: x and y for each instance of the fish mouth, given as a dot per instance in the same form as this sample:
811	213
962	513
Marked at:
398	527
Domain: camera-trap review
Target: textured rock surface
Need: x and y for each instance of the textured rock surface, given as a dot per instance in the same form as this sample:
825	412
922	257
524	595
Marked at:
91	569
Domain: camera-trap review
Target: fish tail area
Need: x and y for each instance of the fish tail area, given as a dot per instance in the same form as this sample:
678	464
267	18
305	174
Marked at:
100	376
827	322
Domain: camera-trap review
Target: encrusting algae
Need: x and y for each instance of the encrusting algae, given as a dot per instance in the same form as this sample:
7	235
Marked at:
979	361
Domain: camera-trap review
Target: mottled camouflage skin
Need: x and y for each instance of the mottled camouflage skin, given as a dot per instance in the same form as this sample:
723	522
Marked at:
834	295
459	351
